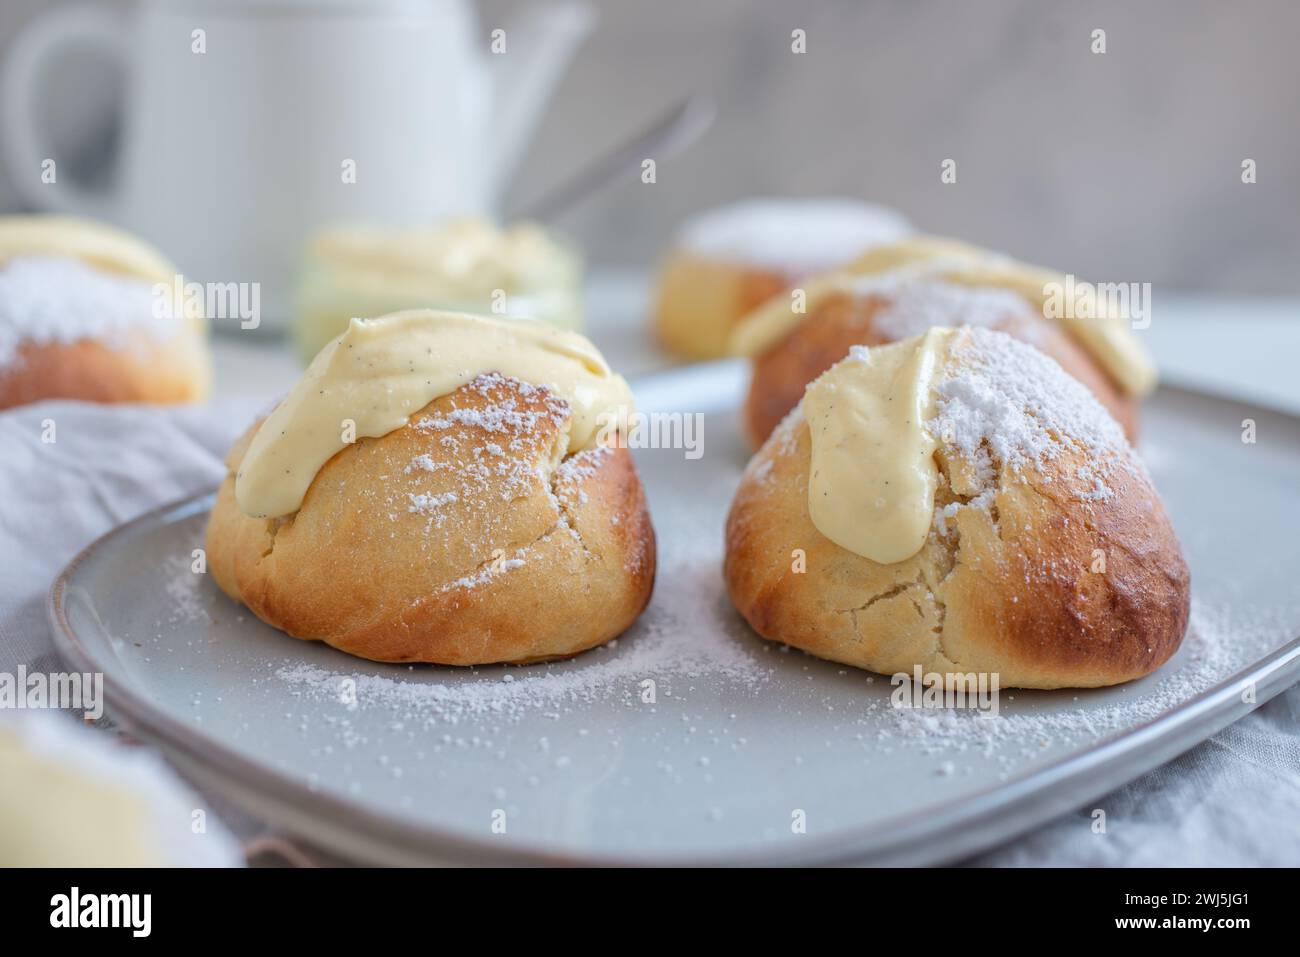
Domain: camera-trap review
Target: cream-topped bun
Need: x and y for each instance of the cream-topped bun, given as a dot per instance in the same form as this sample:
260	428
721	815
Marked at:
870	310
71	797
441	488
955	501
727	261
90	312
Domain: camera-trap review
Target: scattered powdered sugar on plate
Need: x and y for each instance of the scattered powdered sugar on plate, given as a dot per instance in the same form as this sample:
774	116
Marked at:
184	587
45	300
659	647
1218	643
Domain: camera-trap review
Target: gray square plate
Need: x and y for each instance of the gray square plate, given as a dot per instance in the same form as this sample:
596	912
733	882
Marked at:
688	740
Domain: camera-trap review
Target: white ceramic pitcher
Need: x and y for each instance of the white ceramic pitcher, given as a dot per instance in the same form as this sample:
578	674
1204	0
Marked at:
248	123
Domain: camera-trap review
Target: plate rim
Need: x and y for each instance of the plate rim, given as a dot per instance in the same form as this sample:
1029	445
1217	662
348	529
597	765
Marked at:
1041	793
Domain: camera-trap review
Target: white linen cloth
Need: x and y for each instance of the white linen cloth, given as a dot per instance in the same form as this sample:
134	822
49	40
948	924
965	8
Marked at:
1234	800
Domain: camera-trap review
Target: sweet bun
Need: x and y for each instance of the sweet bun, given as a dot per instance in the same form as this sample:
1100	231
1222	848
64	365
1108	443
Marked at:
79	318
466	536
1049	559
727	261
879	312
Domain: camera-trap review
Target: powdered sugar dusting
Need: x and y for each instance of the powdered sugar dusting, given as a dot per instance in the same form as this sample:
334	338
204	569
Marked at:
502	418
914	307
666	643
785	435
467	473
494	448
432	505
583	465
47	300
1004	404
486	573
183	586
792	235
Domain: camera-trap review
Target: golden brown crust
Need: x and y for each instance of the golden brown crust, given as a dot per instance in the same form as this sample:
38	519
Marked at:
841	321
140	369
461	542
701	300
1048	588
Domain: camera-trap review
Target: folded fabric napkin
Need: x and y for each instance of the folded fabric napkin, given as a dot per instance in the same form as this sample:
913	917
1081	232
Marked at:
69	472
72	471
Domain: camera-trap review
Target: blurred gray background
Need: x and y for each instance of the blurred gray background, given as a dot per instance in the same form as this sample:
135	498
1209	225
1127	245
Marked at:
1123	166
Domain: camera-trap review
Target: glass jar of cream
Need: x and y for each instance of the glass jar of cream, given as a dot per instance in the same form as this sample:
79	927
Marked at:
464	265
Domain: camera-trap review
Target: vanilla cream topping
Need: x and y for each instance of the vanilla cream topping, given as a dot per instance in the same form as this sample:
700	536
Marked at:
1106	337
873	475
105	248
465	258
368	381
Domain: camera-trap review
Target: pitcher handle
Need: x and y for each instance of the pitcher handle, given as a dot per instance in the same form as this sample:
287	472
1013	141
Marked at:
34	166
